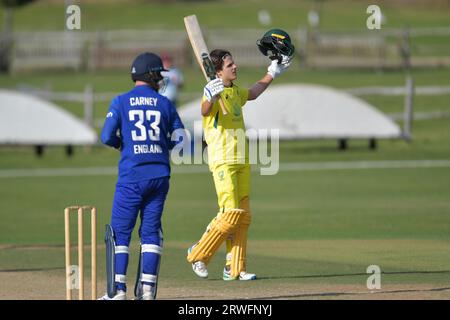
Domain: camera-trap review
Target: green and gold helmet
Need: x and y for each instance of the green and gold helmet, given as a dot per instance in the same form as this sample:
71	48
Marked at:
275	43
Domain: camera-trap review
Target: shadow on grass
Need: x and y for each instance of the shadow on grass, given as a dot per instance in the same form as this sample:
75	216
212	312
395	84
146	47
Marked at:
351	274
338	294
32	269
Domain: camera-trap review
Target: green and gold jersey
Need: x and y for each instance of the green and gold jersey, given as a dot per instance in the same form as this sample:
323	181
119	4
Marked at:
225	134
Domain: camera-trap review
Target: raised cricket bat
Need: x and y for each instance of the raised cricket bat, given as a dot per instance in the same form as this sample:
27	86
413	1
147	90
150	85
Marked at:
201	51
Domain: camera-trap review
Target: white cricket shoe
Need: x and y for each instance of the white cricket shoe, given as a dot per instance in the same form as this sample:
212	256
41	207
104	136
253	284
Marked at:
120	295
243	276
199	267
149	293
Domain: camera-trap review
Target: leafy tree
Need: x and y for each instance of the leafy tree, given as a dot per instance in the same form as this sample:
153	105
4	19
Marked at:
6	35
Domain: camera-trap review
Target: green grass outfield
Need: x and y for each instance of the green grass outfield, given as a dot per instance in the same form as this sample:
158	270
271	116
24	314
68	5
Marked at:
313	231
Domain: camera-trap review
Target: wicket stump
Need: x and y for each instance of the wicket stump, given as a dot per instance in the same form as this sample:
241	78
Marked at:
80	211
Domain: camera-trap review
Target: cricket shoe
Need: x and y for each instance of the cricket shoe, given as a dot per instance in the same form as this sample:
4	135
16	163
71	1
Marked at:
120	295
148	293
199	267
243	276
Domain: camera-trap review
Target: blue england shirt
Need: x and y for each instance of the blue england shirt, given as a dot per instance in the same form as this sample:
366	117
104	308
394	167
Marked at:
140	123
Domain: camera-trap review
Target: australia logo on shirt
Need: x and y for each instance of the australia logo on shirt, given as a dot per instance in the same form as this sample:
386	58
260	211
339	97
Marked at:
237	110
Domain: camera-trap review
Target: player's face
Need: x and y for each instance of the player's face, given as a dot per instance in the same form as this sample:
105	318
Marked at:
229	69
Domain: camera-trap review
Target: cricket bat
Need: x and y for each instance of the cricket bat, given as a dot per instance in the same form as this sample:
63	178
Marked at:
201	51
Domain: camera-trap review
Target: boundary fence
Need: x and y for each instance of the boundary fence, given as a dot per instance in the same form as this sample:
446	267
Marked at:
90	51
89	97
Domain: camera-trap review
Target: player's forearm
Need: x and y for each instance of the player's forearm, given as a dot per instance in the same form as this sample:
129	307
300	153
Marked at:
109	136
259	87
112	141
206	107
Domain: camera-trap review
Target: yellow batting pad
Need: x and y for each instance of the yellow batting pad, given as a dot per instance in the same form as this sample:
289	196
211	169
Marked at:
244	204
210	242
239	250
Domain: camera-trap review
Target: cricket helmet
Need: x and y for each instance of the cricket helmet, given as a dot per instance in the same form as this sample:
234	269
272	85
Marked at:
274	43
147	67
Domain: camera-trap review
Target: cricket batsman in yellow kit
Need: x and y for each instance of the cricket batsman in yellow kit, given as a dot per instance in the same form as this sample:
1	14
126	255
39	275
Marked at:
228	155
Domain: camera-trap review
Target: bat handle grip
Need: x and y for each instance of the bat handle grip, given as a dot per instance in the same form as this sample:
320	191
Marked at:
222	106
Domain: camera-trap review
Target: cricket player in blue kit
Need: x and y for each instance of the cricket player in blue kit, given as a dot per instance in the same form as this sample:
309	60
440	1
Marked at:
140	124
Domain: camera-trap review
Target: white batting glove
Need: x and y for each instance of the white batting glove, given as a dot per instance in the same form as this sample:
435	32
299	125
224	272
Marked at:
286	60
213	89
276	69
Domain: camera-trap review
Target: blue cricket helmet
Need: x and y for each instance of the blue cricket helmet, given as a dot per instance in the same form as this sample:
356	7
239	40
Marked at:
147	67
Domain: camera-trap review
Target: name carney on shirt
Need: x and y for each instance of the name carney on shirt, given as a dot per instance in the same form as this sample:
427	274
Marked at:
145	148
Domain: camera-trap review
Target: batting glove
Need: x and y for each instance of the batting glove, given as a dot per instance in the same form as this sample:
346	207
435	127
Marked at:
275	68
213	89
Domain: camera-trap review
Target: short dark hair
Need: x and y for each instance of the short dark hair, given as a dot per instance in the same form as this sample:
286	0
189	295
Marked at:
217	57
